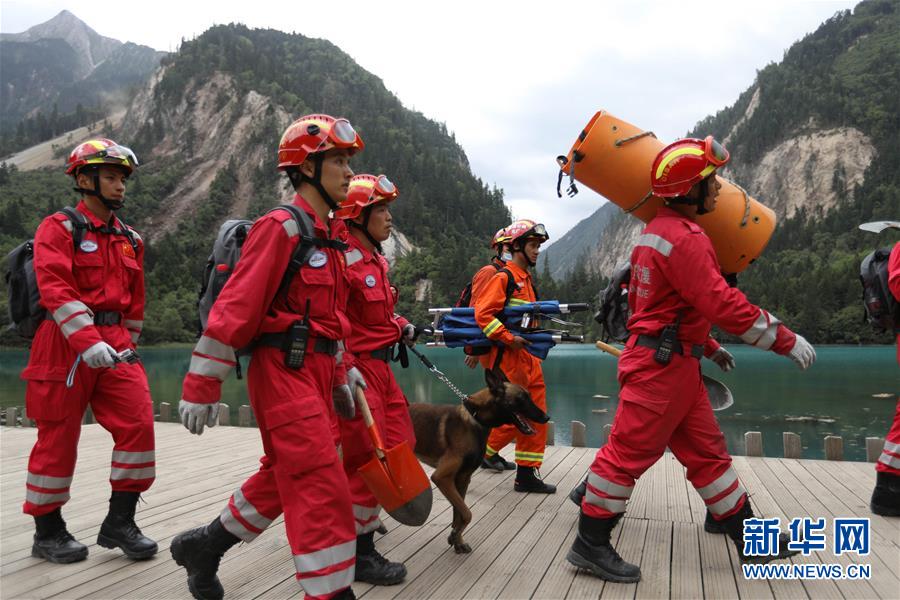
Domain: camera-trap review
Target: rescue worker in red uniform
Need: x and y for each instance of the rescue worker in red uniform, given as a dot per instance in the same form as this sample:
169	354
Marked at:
886	495
676	292
374	329
479	280
524	238
295	405
94	296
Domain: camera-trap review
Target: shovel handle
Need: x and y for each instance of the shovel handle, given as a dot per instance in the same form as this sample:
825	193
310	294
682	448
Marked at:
609	348
363	405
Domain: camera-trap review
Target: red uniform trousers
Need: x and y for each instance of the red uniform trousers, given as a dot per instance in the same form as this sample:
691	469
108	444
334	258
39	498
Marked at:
889	461
390	410
522	369
662	406
300	474
120	401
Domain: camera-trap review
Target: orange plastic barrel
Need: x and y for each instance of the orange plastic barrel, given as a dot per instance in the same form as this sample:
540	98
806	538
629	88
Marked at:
614	158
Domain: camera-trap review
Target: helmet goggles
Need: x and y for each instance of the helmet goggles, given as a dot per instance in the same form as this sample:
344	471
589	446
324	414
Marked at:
715	152
113	155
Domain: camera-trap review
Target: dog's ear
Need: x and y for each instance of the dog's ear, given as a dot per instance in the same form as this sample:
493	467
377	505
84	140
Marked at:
495	380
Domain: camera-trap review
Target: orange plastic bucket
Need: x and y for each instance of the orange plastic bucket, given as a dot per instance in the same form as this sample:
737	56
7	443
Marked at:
614	158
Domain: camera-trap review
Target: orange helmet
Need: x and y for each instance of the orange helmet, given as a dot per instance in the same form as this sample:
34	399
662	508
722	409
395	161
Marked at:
684	163
500	238
315	133
101	151
525	229
366	190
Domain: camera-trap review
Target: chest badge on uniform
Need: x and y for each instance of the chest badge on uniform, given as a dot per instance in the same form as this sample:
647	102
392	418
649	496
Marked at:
318	259
88	246
127	250
370	281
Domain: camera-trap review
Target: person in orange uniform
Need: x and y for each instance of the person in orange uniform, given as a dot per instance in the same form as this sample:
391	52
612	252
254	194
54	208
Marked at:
374	330
524	238
675	295
886	495
479	280
296	389
94	294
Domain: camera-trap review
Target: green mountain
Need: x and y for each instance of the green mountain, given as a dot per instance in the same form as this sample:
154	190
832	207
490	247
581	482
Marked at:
206	128
817	139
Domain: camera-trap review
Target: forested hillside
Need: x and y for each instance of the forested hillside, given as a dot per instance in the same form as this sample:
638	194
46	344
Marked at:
205	158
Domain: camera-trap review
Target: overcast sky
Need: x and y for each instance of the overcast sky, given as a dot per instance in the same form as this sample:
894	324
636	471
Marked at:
515	81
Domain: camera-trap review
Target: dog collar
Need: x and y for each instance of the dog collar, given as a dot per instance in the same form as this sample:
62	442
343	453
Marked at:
474	412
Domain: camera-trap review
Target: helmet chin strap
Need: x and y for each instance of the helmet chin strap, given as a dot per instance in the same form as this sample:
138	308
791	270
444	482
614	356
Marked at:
699	202
316	181
110	204
364	227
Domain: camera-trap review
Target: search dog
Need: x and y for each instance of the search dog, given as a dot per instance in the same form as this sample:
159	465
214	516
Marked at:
452	439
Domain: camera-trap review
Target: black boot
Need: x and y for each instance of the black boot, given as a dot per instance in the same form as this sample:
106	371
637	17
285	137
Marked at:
578	492
886	495
345	594
372	567
53	542
592	551
199	551
710	525
528	481
120	531
734	527
497	463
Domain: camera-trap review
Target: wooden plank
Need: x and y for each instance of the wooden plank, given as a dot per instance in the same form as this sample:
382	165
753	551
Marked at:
792	446
165	412
686	579
224	414
715	564
579	434
874	447
679	488
656	561
533	569
753	443
834	447
630	547
583	585
245	416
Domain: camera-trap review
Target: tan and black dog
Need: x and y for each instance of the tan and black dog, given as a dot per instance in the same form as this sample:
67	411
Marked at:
452	439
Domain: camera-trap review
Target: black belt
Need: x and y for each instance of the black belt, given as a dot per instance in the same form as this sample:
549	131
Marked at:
384	354
653	342
107	317
320	345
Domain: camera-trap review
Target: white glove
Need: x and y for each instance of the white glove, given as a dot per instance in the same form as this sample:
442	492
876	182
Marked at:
343	402
802	353
196	416
409	334
354	378
723	358
99	355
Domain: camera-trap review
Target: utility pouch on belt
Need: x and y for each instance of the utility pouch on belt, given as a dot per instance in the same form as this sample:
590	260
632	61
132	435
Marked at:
294	344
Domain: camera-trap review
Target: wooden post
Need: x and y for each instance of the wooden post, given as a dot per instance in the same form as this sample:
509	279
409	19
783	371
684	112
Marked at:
88	416
792	447
834	447
753	443
224	414
874	446
551	433
244	415
12	414
165	412
579	434
604	437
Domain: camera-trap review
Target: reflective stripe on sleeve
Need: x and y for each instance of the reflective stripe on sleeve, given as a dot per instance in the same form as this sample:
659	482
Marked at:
651	240
214	348
68	309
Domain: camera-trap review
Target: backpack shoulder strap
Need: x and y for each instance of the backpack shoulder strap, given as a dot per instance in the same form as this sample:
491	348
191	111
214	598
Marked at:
79	224
510	284
129	233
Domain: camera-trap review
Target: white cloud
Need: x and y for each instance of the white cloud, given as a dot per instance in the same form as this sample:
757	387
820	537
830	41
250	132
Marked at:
515	81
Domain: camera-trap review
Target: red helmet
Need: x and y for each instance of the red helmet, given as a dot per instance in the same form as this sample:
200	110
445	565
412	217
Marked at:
366	190
316	133
500	238
525	229
100	151
682	164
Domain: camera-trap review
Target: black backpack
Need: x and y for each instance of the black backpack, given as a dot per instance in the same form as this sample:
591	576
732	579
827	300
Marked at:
614	313
227	251
25	310
882	309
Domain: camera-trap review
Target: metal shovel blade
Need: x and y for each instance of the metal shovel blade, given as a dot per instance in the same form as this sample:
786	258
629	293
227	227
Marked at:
720	396
399	484
879	226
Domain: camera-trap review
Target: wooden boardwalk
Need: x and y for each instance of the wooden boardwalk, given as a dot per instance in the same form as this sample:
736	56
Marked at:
519	541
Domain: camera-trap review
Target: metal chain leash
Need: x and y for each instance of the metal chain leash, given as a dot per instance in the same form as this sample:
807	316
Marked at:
437	373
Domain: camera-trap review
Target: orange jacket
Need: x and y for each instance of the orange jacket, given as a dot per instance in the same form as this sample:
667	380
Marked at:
492	299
